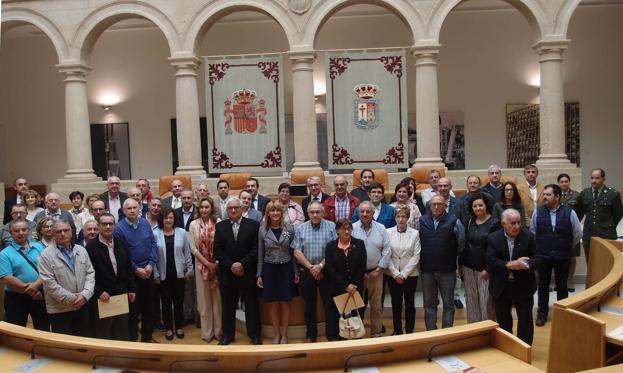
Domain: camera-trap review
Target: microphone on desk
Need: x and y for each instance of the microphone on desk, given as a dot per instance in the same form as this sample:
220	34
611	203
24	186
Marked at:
348	359
295	356
34	347
209	359
430	351
148	358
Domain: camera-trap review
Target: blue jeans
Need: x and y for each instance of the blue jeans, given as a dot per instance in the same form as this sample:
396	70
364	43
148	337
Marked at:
432	284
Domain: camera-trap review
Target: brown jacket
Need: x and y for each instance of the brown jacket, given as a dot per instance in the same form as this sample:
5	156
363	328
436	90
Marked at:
526	199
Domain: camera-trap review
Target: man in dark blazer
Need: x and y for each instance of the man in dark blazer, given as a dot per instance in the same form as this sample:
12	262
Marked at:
235	248
111	278
315	194
259	201
113	196
186	213
512	259
21	186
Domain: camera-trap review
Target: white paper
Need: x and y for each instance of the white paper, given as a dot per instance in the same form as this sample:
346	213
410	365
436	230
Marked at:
451	363
106	370
616	333
612	309
366	370
32	365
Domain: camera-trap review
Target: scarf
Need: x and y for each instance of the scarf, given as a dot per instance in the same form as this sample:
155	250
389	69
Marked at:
206	248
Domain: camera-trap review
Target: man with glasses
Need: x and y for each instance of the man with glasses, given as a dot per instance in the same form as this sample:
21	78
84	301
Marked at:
341	205
442	238
68	282
18	212
54	211
20	185
113	198
315	194
310	240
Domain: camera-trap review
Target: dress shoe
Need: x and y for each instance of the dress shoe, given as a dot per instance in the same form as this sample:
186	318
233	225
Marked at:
397	333
311	340
571	290
224	341
256	340
169	335
458	304
179	333
541	319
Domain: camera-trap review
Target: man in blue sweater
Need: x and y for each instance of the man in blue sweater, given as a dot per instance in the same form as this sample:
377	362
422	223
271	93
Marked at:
137	235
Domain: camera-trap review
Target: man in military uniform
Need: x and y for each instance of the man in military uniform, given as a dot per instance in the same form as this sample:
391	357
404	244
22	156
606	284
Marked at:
602	207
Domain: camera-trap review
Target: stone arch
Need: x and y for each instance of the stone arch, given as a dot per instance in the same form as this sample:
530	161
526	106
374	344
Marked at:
563	17
325	8
94	24
536	16
24	15
213	11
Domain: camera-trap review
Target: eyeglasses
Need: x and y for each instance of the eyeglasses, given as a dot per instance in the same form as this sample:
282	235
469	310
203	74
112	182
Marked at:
234	207
313	212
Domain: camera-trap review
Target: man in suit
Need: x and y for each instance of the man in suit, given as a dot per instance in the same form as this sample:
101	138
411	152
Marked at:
494	186
186	213
174	201
259	201
55	212
315	194
20	186
602	207
235	248
511	261
247	211
145	188
363	192
342	204
113	198
383	213
113	276
220	203
135	194
530	192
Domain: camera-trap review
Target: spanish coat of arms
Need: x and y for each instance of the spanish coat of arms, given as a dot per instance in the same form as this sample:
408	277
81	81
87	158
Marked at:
366	107
245	114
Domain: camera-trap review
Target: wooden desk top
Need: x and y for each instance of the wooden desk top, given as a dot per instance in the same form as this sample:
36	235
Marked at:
612	320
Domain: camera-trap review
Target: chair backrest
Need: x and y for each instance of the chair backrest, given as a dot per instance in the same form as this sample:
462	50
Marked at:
485	180
300	177
165	184
380	176
237	181
420	175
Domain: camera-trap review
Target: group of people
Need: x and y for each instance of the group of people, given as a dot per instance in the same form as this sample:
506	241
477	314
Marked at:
193	254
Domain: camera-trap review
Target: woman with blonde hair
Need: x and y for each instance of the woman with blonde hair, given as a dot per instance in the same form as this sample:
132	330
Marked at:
32	200
201	238
277	272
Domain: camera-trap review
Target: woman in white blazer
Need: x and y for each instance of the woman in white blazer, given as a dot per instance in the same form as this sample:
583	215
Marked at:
405	244
172	271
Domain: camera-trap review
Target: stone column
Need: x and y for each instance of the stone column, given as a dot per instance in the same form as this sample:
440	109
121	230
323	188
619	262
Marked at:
77	125
551	109
187	113
304	111
427	106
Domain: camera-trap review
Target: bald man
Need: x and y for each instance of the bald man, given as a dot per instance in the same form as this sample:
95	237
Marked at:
113	198
54	211
342	204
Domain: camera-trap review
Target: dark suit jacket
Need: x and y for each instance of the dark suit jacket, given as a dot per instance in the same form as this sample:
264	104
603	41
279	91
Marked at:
104	197
261	203
105	277
342	270
8	205
498	256
180	217
306	200
228	250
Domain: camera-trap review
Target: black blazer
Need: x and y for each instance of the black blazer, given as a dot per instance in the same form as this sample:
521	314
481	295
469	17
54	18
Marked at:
498	256
105	278
261	203
228	250
104	197
307	200
342	270
180	217
8	205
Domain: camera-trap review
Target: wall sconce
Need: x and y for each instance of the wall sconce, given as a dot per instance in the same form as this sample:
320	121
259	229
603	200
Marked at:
107	107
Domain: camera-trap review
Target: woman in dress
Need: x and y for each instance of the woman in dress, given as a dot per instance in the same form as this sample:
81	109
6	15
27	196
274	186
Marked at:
277	272
402	269
473	259
345	266
32	200
569	197
293	212
510	200
172	271
403	197
201	239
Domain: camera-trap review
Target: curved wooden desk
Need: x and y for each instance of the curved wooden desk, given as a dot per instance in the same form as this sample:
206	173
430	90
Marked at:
578	335
483	345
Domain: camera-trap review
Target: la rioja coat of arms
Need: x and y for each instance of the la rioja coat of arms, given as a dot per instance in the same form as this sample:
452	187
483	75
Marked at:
366	106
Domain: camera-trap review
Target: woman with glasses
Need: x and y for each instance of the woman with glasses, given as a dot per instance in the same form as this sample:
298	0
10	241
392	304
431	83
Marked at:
510	199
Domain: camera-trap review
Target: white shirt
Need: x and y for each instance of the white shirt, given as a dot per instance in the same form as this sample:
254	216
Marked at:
176	202
114	204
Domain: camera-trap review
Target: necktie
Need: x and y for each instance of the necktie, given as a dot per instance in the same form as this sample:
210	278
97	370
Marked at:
595	194
235	227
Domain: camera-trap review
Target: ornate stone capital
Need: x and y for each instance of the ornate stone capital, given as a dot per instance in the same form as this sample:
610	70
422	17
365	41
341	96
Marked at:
185	65
425	53
74	71
302	60
550	50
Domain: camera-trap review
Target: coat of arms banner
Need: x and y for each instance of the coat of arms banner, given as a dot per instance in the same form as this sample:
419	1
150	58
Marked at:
244	110
367	108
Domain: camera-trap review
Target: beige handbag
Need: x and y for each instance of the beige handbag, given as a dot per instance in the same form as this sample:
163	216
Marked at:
351	327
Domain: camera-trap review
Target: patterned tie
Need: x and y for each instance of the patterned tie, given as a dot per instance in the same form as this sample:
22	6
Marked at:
235	227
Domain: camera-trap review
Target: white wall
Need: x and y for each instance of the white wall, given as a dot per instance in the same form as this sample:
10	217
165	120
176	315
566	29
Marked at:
485	62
